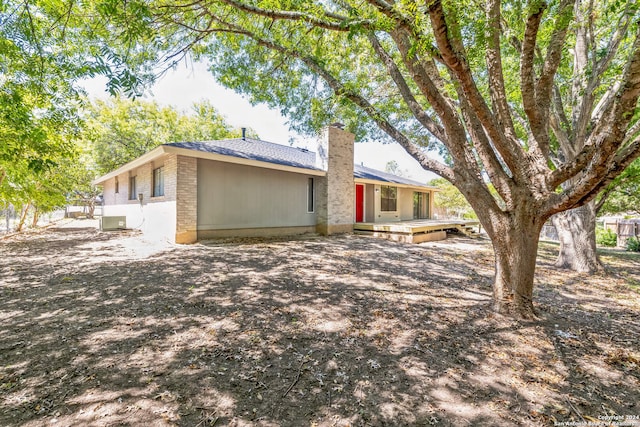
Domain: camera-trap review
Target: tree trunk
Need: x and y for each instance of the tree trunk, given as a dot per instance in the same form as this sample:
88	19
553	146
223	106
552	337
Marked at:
515	243
91	209
23	217
577	234
36	217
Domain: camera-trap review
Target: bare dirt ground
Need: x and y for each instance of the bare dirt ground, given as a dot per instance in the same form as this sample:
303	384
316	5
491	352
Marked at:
105	329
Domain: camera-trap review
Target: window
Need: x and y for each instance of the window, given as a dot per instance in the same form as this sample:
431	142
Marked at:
132	188
310	195
158	182
388	198
117	186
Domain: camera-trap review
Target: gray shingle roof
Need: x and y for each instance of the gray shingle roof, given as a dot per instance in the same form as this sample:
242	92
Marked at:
255	149
364	172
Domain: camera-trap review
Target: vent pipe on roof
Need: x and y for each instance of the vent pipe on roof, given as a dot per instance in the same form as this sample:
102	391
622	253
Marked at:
244	134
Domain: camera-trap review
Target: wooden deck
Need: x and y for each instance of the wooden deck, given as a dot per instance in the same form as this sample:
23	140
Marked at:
415	231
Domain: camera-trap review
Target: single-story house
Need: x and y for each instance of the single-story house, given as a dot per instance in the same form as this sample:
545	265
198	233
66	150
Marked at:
187	191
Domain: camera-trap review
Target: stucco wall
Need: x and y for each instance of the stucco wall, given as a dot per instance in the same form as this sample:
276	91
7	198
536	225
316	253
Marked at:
234	196
369	203
386	216
404	206
405	203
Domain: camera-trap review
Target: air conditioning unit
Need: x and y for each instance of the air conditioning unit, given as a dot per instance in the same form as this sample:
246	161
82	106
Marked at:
108	223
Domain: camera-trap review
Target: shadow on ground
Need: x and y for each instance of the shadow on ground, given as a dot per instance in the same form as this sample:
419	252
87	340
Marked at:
106	329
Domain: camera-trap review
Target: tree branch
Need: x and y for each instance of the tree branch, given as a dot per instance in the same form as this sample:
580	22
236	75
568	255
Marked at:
560	125
619	164
406	24
613	187
493	166
456	137
425	75
342	24
554	55
544	86
603	156
611	131
509	150
496	73
536	118
405	91
341	90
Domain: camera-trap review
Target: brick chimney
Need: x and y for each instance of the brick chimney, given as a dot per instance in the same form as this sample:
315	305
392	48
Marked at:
336	192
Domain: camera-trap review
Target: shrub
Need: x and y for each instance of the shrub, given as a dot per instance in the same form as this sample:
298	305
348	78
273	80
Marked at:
606	237
633	244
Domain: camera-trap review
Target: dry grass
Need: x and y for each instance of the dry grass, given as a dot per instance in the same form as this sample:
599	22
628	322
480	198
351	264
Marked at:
107	329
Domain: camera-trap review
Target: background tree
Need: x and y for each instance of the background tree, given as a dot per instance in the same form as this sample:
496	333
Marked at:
451	199
119	130
37	102
393	167
600	30
45	47
623	194
477	81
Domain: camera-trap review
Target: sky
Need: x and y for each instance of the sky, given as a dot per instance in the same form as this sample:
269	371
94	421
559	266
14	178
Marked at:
191	82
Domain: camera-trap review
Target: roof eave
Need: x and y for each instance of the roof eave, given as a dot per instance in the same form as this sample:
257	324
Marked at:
145	158
395	184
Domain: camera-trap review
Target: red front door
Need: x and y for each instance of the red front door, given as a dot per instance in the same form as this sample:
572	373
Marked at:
359	203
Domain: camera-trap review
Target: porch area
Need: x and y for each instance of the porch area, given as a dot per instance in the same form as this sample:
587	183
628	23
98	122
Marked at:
416	231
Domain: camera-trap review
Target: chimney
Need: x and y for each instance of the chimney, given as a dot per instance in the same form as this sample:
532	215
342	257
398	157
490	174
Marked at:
336	191
244	134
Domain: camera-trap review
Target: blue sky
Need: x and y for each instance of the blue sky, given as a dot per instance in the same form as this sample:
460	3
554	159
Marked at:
191	82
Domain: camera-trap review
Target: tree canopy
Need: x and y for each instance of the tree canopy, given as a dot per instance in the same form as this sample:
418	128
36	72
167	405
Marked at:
46	46
119	130
37	102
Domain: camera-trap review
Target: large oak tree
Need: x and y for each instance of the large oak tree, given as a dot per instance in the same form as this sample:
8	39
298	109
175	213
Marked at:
499	89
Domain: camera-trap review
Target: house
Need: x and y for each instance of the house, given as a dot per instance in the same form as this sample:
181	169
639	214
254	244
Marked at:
188	191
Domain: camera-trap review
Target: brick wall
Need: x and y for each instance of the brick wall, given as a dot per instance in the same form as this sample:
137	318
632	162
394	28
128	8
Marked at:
156	216
170	177
144	179
186	190
335	192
